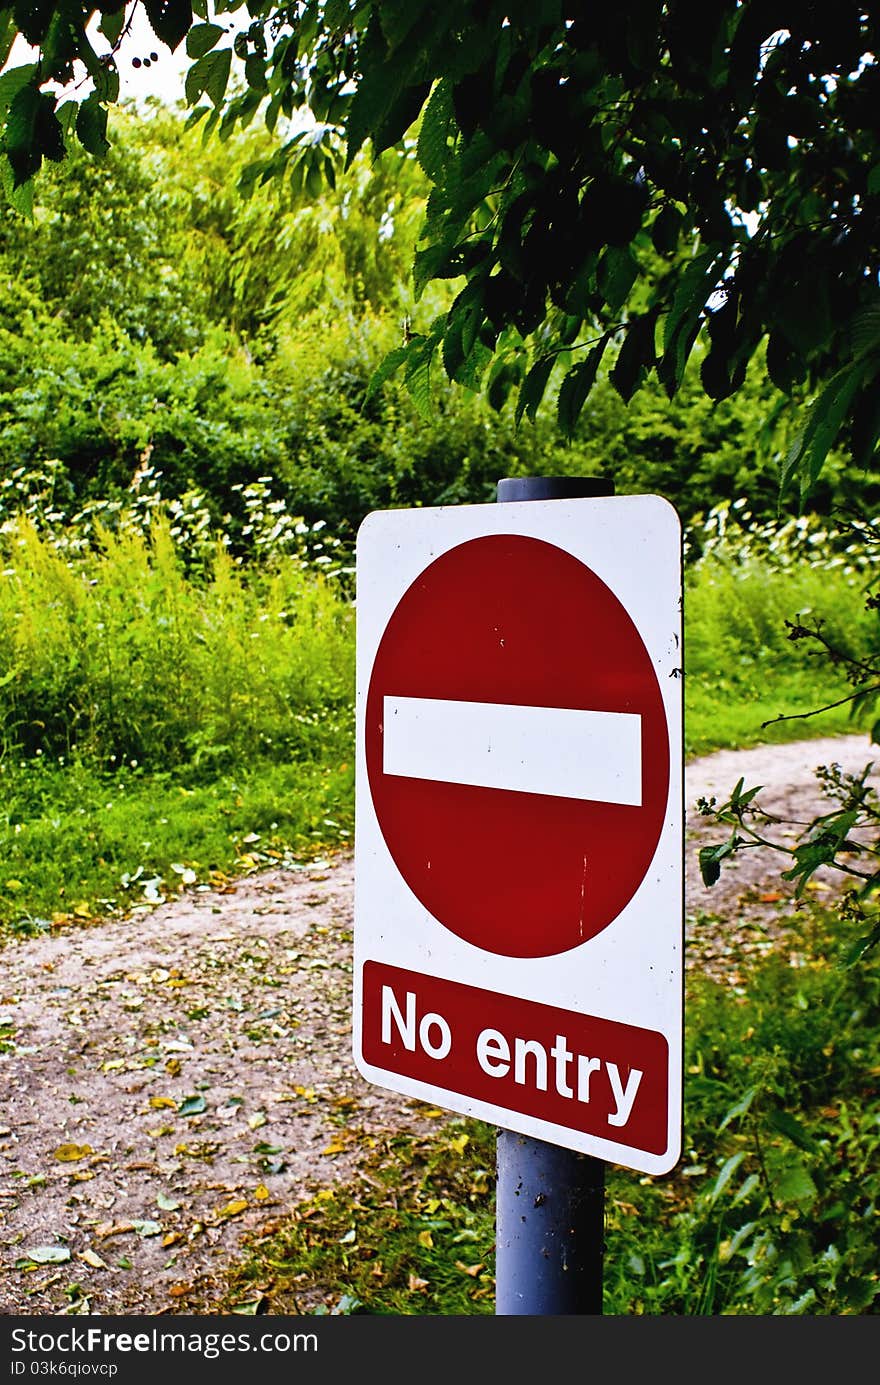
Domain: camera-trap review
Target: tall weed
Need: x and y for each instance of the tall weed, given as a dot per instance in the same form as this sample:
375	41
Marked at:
746	583
118	656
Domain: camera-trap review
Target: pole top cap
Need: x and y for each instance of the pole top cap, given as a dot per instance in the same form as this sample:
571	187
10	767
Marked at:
553	487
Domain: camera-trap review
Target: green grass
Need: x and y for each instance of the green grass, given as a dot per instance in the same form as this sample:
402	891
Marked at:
773	1209
743	670
730	713
76	843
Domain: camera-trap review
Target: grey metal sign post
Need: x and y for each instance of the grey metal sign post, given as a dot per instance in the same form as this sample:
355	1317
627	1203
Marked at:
549	1201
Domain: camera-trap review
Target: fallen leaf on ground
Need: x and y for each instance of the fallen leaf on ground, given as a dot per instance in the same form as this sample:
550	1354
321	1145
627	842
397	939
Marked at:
106	1229
48	1255
146	1227
68	1154
192	1106
233	1209
249	1307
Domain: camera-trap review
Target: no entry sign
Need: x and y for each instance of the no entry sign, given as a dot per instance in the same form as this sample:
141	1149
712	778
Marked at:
518	896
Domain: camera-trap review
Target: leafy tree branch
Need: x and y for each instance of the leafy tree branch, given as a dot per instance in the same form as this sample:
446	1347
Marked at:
702	174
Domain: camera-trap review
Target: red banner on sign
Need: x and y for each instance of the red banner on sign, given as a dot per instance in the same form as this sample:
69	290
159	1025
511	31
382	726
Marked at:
598	1076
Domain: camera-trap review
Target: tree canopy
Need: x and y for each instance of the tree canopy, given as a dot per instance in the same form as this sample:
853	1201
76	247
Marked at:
637	183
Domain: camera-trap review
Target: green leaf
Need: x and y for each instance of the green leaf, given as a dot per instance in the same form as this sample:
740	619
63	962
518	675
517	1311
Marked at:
785	365
48	1255
434	262
255	72
811	446
438	122
795	1184
387	367
91	126
67	113
336	13
693	291
8	33
192	1106
21	197
112	24
314	178
635	357
739	1108
209	76
745	1190
398	116
202	38
471	371
12	82
106	79
710	858
248	1308
417	376
145	1226
375	92
728	1169
866	329
787	1125
666	229
170	20
531	391
575	388
32	133
804	315
740	798
863	945
616	273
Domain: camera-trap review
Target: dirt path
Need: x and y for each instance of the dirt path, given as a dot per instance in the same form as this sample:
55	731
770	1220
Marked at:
182	1077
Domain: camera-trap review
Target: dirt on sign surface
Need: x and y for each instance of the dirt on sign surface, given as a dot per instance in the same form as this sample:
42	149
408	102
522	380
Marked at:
182	1078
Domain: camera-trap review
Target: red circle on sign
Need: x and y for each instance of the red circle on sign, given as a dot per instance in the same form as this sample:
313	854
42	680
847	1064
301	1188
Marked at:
512	620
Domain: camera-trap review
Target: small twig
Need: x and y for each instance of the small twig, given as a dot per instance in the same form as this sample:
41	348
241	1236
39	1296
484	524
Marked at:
802	716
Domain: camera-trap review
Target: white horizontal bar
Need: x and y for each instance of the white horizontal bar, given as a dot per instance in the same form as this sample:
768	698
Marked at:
562	751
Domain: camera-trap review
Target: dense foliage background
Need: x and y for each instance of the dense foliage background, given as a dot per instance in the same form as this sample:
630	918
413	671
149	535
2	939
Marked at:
161	333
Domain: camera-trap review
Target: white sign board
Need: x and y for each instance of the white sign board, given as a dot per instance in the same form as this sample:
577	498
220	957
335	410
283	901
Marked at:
518	841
